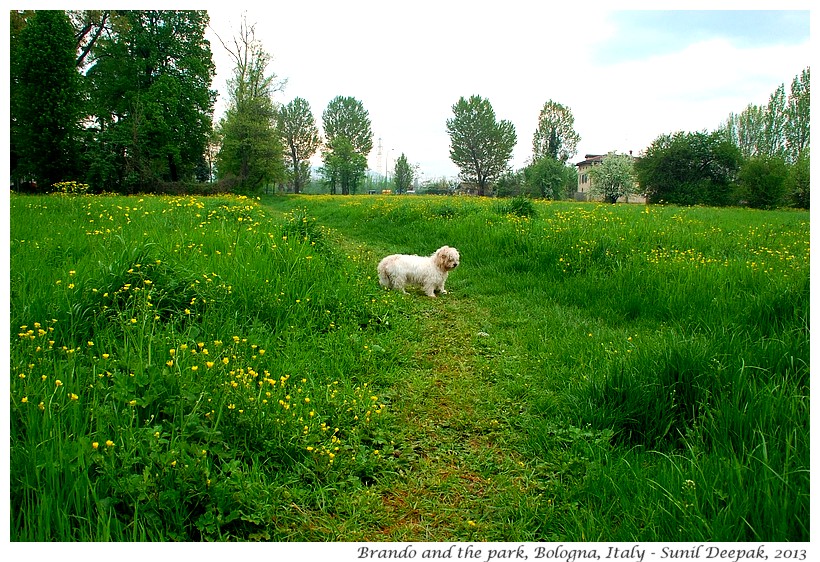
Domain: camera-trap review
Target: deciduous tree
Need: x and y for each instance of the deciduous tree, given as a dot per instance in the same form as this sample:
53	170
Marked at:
344	167
798	117
45	96
403	174
555	135
298	131
479	145
613	178
689	169
550	178
347	117
151	102
251	151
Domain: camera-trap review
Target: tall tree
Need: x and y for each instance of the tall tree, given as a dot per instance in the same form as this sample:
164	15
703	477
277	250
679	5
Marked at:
151	99
298	131
402	174
251	153
45	100
798	119
347	117
746	129
555	135
479	145
614	177
774	125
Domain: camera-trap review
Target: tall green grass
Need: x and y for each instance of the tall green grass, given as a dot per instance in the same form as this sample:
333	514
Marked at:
224	368
176	362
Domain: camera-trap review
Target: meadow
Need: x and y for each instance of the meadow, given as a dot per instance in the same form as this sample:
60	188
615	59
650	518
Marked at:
225	368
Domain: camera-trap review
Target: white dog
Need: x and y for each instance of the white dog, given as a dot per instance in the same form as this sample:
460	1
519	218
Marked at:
430	273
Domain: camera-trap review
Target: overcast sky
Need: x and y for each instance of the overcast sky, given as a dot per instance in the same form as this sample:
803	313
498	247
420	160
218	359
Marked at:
627	76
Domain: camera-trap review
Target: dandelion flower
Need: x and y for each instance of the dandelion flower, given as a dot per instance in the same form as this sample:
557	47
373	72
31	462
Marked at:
58	382
24	400
109	443
95	445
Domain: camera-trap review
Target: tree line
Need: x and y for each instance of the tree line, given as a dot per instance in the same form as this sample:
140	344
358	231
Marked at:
122	100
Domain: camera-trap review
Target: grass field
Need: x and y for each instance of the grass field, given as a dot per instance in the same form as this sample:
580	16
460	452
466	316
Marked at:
229	369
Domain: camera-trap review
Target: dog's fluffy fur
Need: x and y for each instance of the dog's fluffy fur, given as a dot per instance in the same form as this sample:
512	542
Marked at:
399	270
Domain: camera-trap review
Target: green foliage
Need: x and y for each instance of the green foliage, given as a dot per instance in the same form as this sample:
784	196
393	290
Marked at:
763	182
147	130
614	177
346	117
479	145
550	178
689	169
46	100
778	129
798	184
555	136
251	151
344	168
519	206
402	174
798	117
300	137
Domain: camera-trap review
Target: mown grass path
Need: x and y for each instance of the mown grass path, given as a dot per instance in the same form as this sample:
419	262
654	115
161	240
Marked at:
462	463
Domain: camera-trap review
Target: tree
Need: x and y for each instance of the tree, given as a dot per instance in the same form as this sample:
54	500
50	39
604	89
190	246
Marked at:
746	129
251	152
89	25
45	100
151	102
347	117
763	181
298	131
550	178
402	174
689	169
774	125
777	129
555	135
613	178
344	167
479	145
798	182
798	118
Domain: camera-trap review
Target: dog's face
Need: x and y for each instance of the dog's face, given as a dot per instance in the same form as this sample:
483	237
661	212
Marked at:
447	258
